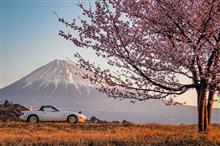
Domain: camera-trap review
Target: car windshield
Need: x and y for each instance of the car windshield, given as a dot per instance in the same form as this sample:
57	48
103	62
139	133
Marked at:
59	109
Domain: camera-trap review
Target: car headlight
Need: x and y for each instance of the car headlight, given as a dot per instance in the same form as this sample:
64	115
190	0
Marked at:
82	116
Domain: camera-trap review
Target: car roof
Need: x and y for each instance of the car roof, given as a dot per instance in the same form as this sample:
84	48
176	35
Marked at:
53	106
48	105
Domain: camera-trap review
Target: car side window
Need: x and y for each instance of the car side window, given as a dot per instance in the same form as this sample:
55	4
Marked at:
48	109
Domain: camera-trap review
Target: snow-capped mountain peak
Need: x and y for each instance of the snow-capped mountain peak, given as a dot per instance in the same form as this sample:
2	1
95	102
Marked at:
57	72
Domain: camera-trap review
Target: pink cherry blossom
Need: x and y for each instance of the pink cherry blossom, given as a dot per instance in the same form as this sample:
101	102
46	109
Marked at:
151	44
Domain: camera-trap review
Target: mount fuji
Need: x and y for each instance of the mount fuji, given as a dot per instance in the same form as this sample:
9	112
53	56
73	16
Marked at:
60	83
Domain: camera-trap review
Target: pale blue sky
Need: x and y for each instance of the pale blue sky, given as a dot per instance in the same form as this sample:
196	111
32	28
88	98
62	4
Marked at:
29	37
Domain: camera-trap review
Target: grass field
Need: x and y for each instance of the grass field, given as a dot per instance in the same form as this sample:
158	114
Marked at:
22	133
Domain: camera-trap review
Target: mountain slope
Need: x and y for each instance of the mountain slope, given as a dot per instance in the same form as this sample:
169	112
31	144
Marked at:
55	79
59	83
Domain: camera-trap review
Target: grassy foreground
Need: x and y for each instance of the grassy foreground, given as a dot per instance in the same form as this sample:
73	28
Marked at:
22	133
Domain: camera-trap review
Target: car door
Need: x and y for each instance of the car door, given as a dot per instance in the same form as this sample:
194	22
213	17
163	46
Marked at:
48	114
58	115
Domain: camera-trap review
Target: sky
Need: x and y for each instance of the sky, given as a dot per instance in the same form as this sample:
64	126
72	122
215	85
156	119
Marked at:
29	37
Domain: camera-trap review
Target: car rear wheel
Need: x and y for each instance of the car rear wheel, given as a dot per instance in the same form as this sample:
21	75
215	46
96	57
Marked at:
33	119
72	119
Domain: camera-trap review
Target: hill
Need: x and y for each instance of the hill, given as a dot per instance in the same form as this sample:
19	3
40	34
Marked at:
10	111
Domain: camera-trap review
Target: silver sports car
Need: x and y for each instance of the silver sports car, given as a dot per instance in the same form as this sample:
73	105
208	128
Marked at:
52	113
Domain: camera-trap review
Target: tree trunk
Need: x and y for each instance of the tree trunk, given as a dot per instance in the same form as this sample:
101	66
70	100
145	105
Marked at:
209	105
201	115
198	99
202	109
206	124
198	96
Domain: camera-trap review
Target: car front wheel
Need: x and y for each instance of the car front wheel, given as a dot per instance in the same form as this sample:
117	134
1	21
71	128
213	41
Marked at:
72	119
33	119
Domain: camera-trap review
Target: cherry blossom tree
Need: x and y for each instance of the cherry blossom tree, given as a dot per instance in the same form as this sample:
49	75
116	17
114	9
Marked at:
153	48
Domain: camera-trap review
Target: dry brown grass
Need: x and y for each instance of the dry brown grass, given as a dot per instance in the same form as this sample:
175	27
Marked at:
22	133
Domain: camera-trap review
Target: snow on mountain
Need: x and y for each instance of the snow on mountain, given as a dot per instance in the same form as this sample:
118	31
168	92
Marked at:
58	80
59	83
57	72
